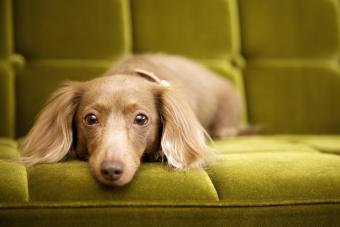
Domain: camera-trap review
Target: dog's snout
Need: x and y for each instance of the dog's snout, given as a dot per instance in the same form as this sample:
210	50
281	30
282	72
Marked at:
112	170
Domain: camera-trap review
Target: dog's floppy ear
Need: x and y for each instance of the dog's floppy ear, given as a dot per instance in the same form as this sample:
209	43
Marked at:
183	137
50	138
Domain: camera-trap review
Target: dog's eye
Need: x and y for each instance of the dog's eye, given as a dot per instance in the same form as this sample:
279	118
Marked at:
91	119
141	119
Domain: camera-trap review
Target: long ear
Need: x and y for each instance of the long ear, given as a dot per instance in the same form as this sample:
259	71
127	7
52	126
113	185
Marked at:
183	138
50	139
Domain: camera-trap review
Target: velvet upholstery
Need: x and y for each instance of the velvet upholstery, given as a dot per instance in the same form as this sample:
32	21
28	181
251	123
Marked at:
292	49
7	103
281	55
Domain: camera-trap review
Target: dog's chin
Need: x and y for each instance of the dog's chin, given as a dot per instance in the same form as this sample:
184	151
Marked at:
117	183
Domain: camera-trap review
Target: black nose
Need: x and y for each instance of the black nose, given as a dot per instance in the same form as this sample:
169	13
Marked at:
112	170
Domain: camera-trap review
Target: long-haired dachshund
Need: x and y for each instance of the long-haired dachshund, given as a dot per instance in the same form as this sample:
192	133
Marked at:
152	107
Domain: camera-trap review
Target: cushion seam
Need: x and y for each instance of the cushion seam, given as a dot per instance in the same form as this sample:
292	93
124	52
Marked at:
152	205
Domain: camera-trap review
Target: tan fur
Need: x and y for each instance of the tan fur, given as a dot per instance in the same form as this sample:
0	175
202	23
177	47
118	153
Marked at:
51	137
180	99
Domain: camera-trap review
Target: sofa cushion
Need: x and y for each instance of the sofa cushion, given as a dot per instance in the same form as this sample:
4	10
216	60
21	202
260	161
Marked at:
266	180
277	178
255	144
182	27
289	173
6	43
7	102
178	215
290	28
13	183
292	75
323	143
8	149
71	181
294	96
79	29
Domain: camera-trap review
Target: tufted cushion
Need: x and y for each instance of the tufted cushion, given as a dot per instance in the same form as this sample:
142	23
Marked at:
13	184
194	28
71	181
96	35
283	55
6	73
7	102
8	149
284	96
292	76
290	28
86	36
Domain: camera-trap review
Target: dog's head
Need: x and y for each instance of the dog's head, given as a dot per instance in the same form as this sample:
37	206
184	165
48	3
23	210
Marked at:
113	121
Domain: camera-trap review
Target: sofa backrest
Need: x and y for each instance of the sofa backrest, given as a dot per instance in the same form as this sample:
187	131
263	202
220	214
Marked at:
292	74
282	55
7	95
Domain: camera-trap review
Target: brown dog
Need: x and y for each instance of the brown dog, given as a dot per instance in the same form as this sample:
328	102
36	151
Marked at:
152	106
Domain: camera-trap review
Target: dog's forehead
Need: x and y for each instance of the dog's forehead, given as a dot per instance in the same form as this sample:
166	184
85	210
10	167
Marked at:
119	91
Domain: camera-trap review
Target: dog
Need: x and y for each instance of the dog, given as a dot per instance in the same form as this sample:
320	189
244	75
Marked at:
152	107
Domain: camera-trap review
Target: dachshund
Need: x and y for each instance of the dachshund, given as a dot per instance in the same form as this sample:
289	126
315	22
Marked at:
152	107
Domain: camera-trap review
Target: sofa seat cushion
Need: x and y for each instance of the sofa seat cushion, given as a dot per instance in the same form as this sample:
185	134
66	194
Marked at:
13	182
252	171
266	180
323	143
8	149
254	144
277	178
71	181
257	169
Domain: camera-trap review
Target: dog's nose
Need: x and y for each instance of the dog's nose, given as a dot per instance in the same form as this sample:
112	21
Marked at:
112	170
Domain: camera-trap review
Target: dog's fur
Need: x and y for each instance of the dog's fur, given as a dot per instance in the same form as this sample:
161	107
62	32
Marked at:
181	100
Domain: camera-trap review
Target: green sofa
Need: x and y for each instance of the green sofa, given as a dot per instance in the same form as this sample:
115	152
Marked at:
283	55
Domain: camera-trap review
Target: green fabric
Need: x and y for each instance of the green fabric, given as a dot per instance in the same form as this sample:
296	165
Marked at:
268	174
326	143
259	180
153	182
6	42
254	144
294	96
281	55
277	178
290	28
77	29
50	74
195	28
302	215
8	149
7	102
13	183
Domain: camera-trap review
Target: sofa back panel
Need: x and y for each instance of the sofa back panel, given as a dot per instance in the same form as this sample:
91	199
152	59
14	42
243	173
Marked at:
5	28
71	29
7	103
64	40
290	28
294	98
195	28
292	80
